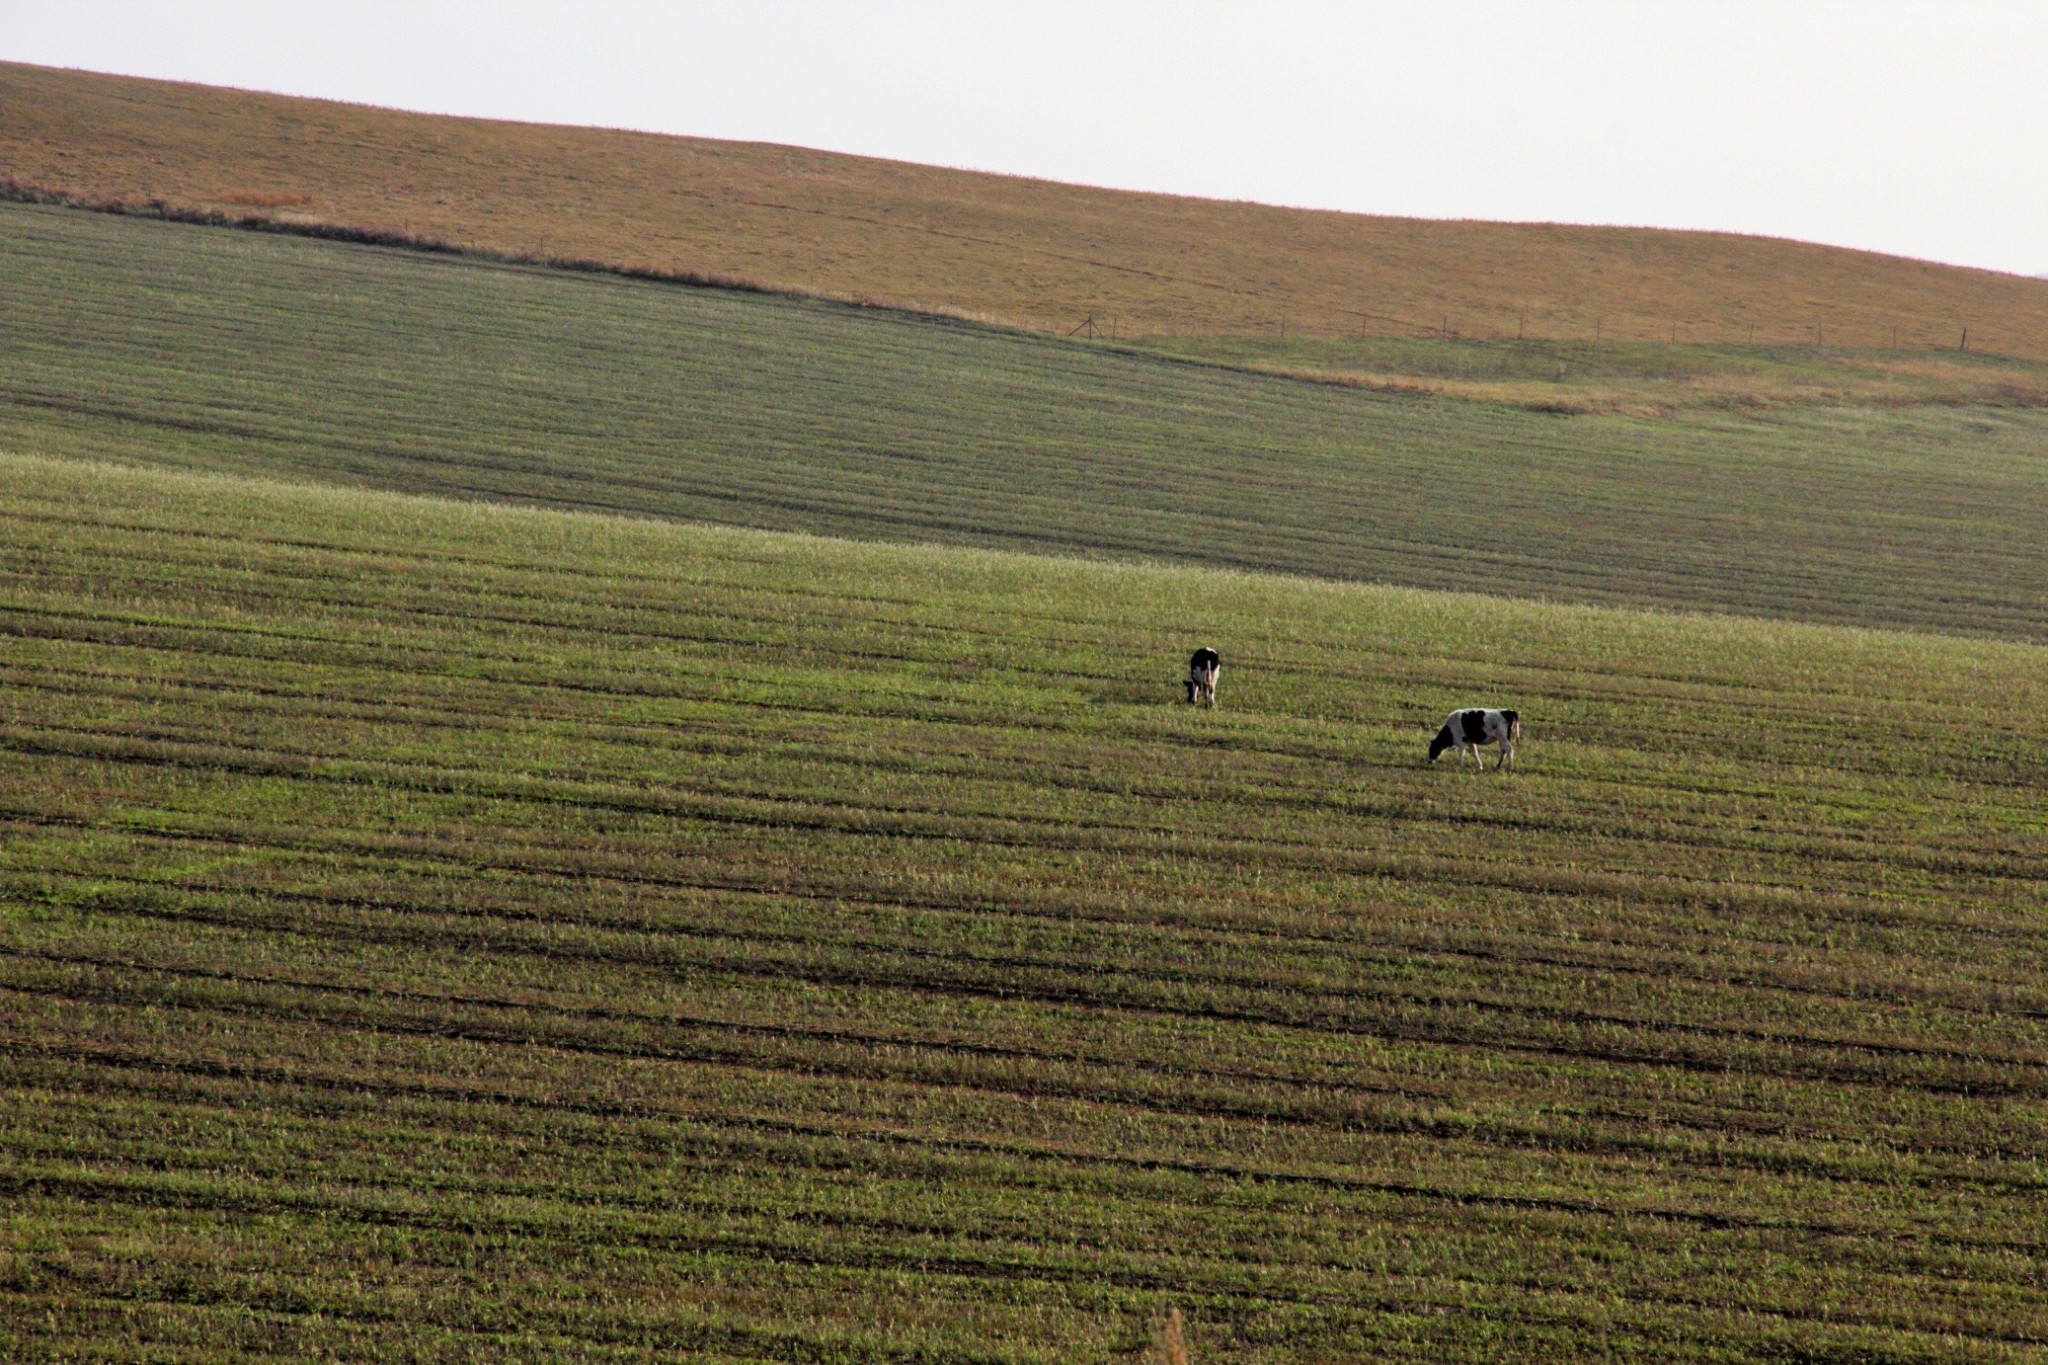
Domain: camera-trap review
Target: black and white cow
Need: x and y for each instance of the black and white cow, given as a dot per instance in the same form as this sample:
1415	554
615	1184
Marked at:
1465	730
1205	665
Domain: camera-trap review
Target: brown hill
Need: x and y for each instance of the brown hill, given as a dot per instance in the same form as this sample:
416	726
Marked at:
1028	252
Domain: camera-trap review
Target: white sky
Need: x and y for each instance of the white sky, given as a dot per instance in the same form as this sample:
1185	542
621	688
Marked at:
1911	127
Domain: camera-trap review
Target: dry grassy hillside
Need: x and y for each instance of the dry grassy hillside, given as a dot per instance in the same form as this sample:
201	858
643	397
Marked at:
1024	251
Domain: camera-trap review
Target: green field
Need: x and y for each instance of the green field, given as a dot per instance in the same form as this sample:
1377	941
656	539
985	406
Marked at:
149	342
442	932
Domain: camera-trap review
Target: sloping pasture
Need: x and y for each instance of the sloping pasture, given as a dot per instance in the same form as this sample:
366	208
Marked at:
157	343
1032	252
470	933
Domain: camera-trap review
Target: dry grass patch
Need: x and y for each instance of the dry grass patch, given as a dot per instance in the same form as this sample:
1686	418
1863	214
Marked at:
258	200
1034	253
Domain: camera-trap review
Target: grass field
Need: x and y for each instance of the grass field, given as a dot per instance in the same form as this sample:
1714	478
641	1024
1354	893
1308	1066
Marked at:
451	932
150	342
1037	254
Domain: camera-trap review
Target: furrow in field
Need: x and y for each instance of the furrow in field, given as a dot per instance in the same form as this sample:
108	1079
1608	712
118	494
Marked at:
830	1139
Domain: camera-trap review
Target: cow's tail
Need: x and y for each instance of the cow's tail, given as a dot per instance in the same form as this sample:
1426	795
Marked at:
1514	725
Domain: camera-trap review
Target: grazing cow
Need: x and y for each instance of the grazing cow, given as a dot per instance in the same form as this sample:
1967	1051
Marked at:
1465	730
1205	665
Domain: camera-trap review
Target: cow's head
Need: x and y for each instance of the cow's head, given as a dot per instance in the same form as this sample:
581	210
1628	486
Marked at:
1442	742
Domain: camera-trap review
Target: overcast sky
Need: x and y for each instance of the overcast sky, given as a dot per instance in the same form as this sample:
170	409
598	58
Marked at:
1911	127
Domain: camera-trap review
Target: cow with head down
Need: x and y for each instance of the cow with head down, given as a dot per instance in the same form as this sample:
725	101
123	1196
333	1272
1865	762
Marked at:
1204	667
1469	727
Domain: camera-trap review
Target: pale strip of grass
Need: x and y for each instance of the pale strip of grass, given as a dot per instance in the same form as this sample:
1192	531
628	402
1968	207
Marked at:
1640	379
